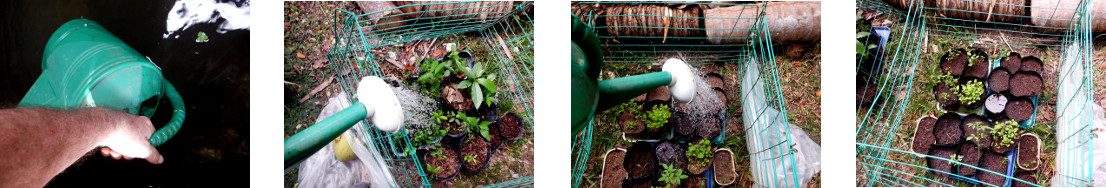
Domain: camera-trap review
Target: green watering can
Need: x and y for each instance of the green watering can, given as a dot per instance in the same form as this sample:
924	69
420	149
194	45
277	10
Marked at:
84	65
590	95
377	103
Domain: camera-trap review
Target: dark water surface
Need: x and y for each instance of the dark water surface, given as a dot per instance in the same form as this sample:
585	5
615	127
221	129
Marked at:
212	147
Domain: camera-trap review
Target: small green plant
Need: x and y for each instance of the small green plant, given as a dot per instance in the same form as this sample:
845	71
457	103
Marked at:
433	169
1004	133
952	54
475	124
955	157
969	92
479	80
944	96
672	176
946	78
471	158
700	153
435	71
976	126
656	117
972	57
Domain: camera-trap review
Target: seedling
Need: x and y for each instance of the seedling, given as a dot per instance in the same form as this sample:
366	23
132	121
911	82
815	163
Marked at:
699	153
471	158
955	157
1004	133
972	57
433	169
970	91
656	117
478	80
672	176
434	71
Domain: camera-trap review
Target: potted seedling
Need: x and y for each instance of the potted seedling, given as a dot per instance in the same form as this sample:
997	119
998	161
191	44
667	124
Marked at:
947	130
1026	84
511	126
699	154
613	173
671	176
1003	135
1031	64
686	125
1024	176
442	163
999	80
954	61
644	160
995	105
479	81
939	167
452	121
977	130
432	75
971	93
1029	151
474	151
923	135
628	114
1011	62
656	117
694	182
978	64
969	155
496	138
710	126
672	153
1019	109
423	137
944	93
724	171
996	162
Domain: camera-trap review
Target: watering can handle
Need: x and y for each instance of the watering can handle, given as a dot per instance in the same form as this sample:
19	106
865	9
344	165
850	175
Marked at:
175	122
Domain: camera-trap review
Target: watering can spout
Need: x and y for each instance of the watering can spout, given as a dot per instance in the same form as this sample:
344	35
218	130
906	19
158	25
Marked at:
682	85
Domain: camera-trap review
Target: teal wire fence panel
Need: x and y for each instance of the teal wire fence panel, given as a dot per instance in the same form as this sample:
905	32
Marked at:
508	33
879	6
700	33
884	160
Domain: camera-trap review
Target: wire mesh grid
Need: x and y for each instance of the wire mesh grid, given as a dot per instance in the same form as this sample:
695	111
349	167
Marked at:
1015	26
504	26
720	33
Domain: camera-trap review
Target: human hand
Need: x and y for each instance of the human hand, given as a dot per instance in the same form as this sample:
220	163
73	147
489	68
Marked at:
130	139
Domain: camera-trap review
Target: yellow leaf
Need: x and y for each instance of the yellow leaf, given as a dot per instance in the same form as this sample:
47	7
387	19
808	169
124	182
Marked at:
300	55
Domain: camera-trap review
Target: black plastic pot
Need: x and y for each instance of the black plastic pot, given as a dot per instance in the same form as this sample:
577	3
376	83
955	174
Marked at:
521	130
460	165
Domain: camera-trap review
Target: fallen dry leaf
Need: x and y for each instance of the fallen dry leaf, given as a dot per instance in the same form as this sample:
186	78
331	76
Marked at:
300	55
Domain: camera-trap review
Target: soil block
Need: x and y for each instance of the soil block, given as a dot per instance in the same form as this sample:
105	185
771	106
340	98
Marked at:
450	164
971	154
999	80
1019	109
1026	84
995	105
672	152
938	165
637	183
979	66
996	144
1031	64
721	95
477	147
663	129
710	126
954	65
944	95
866	94
923	137
641	98
1027	176
693	182
613	173
994	162
723	167
685	125
1027	152
641	161
947	130
1012	62
661	94
981	135
714	80
497	140
511	126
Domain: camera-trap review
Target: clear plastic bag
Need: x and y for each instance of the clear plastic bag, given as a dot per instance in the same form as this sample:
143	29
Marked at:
774	163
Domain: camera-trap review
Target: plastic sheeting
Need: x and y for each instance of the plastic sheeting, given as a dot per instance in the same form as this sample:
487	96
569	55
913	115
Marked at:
323	169
776	160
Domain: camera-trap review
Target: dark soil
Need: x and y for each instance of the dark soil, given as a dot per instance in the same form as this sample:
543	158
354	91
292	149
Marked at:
999	80
630	124
613	173
660	94
494	131
1019	109
474	146
994	162
971	154
1025	84
511	125
710	126
995	105
685	125
723	167
456	98
938	165
721	95
923	137
979	66
949	100
641	161
449	165
1027	152
714	80
947	131
866	94
672	152
956	65
693	182
982	135
455	129
1027	176
1031	64
641	183
1012	62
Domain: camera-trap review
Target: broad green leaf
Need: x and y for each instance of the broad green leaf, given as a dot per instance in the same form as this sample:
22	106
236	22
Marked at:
488	85
861	34
477	96
491	76
464	84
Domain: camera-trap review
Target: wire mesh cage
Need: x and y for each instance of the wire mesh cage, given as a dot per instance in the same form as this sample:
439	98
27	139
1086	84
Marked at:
887	84
700	33
505	28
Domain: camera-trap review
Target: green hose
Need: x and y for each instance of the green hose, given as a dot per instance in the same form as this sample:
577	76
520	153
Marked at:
175	122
